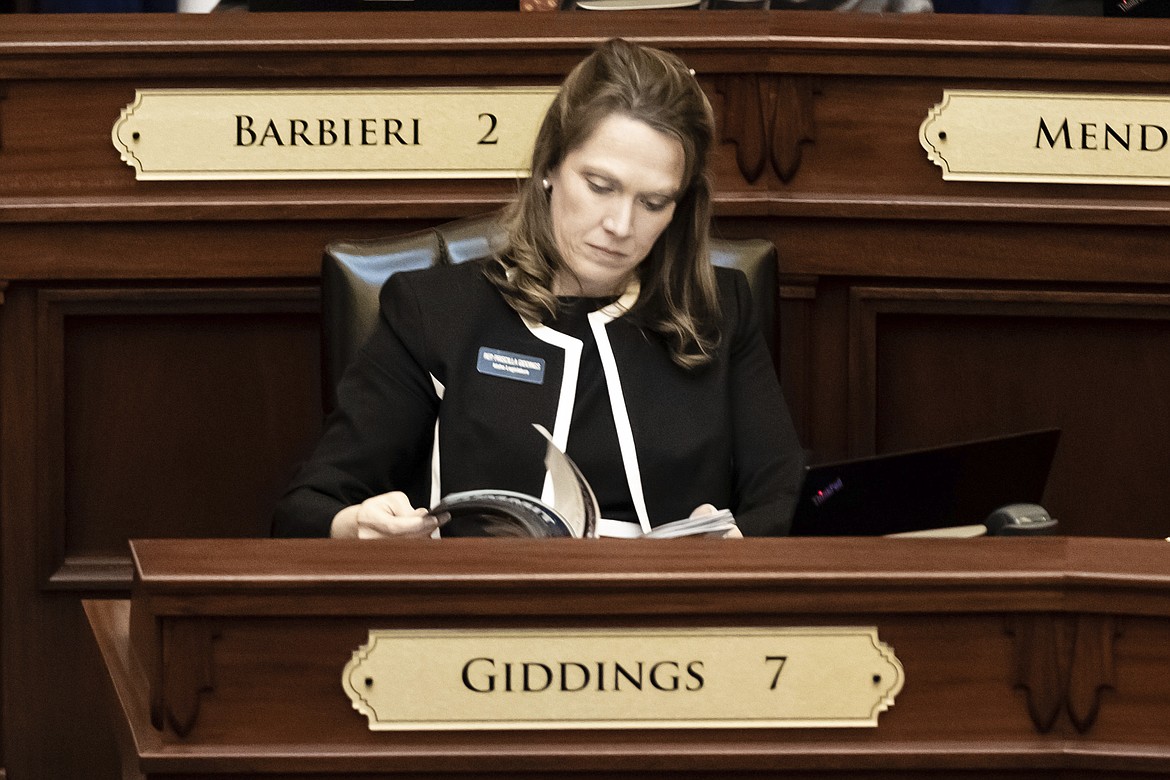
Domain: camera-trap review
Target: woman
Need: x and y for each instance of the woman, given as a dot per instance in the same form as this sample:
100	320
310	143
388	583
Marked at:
603	320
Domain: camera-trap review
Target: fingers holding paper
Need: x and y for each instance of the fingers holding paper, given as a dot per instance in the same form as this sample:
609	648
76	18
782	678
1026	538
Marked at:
709	509
383	516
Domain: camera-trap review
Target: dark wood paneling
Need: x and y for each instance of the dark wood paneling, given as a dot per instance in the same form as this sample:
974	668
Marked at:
931	365
984	251
798	301
130	412
164	411
194	249
50	693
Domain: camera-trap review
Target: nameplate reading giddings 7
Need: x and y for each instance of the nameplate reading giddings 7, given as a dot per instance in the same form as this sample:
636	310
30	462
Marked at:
440	132
407	680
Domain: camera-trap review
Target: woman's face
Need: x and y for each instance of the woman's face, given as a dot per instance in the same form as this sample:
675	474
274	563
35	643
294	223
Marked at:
611	198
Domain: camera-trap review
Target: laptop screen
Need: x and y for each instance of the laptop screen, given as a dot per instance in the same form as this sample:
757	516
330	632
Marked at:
953	485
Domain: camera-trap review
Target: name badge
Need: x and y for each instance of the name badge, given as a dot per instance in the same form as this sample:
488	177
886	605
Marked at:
510	365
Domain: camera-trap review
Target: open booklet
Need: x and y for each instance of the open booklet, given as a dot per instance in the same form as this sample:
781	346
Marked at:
573	512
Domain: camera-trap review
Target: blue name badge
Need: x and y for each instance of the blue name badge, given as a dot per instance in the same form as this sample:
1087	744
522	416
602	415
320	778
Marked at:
510	365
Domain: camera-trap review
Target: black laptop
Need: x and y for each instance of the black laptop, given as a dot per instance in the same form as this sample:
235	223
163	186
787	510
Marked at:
941	487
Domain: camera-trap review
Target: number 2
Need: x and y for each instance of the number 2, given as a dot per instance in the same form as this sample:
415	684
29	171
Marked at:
487	137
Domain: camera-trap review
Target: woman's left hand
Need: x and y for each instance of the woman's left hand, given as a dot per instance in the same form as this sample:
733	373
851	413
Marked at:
706	509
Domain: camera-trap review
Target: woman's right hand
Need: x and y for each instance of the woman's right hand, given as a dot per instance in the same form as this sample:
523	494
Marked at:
382	517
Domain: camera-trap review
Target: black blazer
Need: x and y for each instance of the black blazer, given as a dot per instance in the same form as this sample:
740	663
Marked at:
417	412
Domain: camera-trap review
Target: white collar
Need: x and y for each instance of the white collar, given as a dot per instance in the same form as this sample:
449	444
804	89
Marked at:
615	309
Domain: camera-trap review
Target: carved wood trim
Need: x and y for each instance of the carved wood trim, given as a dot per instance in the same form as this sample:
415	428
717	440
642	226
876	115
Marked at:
1091	671
188	670
768	118
743	123
1041	665
792	122
1064	662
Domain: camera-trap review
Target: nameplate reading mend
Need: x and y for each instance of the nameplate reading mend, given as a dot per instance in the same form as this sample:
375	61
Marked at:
441	132
831	677
1045	137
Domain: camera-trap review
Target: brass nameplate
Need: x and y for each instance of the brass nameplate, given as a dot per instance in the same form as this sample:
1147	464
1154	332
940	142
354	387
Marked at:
1044	137
442	132
622	678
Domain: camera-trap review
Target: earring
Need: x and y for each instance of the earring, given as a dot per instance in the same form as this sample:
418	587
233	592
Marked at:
546	184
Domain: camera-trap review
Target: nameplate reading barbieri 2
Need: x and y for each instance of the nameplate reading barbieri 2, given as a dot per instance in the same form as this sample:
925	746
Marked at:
495	679
440	132
1043	137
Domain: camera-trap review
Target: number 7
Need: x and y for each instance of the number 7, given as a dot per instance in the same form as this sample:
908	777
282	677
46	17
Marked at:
779	660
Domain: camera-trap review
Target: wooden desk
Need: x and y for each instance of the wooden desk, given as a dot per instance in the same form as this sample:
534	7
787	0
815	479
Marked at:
1038	658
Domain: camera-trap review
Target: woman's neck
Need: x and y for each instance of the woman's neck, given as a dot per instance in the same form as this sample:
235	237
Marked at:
567	285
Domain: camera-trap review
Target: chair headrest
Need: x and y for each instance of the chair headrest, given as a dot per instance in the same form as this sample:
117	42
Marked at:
354	271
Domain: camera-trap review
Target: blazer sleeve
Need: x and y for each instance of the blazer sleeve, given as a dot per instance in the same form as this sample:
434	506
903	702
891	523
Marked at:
768	460
379	438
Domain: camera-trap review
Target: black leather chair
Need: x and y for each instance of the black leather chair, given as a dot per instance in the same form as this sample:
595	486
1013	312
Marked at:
353	272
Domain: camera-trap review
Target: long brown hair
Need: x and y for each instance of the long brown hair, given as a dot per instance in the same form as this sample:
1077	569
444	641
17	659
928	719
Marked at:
678	300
